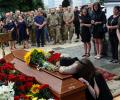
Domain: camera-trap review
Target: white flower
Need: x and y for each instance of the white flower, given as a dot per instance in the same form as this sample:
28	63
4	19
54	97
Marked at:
7	92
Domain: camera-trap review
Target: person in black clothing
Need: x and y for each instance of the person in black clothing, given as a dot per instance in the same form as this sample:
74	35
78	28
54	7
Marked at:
98	21
84	70
97	86
112	27
23	31
85	24
11	29
76	22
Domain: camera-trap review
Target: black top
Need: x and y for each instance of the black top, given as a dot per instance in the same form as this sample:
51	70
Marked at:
113	21
85	20
76	17
97	30
105	93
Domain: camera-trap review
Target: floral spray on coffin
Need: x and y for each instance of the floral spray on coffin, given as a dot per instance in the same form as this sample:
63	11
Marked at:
42	60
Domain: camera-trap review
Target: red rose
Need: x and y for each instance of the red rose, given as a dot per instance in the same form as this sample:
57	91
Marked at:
22	96
28	84
30	79
3	76
11	77
21	78
44	86
8	66
2	61
21	88
16	98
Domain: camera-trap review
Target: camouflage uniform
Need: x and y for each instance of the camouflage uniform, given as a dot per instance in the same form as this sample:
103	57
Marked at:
30	25
68	17
54	27
61	25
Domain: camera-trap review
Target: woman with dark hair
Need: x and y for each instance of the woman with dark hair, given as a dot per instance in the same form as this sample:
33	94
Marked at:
85	71
112	28
85	24
23	31
98	21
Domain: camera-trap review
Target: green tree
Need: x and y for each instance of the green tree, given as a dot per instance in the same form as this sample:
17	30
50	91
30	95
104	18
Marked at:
65	3
23	5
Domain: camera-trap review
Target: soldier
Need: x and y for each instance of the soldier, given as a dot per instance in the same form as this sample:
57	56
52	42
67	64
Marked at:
68	18
30	25
54	26
61	22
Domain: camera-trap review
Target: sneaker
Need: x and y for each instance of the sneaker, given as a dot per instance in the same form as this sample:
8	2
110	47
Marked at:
98	57
115	61
95	56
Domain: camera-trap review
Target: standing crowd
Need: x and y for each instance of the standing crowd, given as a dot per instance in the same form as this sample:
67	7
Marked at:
59	25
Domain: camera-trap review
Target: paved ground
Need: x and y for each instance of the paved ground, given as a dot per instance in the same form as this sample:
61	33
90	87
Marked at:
76	50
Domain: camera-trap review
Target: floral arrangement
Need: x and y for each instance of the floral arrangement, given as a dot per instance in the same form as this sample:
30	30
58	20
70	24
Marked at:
23	85
42	59
7	91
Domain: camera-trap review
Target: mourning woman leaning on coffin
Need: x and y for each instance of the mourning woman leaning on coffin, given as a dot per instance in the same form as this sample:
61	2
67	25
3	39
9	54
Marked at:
85	71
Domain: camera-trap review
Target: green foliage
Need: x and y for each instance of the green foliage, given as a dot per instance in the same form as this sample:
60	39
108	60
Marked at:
65	3
23	5
37	58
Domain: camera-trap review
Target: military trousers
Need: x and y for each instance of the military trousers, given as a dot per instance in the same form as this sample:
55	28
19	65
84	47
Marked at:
55	33
68	32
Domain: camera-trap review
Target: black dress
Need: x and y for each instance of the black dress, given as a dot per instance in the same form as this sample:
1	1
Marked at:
85	31
8	27
105	93
22	31
98	30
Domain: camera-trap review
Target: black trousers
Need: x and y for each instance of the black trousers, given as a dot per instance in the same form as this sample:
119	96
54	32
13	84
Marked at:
77	30
40	36
114	45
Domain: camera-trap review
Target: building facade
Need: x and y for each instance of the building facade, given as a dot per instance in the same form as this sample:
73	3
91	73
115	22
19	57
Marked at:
56	3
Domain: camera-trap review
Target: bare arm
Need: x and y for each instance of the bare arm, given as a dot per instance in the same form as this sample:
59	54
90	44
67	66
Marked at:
72	69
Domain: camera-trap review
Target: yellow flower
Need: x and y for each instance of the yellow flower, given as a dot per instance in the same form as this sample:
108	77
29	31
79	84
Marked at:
27	57
35	88
35	98
29	95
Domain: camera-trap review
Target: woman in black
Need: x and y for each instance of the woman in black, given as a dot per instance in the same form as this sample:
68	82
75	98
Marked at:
98	22
11	29
112	27
23	32
84	70
85	24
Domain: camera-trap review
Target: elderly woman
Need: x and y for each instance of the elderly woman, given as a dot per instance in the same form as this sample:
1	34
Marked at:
85	71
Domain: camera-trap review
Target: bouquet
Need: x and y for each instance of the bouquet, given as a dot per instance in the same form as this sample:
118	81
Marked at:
16	86
42	59
7	91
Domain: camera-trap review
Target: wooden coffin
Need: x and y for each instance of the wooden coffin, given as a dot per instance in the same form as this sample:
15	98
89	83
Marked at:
65	87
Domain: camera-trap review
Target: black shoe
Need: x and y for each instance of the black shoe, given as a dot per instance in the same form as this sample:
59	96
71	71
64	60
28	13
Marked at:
111	60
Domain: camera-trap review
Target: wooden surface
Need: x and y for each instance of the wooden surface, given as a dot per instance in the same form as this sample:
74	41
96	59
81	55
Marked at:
4	37
65	87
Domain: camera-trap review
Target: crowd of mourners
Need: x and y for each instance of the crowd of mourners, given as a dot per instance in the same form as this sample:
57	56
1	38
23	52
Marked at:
58	25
